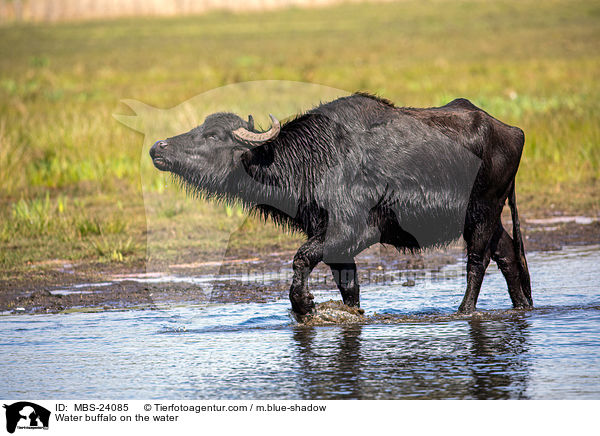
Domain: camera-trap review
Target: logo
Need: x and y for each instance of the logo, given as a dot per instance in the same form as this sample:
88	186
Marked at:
26	415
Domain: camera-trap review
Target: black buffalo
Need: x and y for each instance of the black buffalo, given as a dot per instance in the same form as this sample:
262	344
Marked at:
359	170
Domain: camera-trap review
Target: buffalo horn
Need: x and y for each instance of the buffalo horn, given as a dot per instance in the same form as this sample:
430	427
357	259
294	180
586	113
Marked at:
249	137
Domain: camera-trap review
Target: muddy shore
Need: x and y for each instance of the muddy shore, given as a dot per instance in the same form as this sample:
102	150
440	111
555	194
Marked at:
245	277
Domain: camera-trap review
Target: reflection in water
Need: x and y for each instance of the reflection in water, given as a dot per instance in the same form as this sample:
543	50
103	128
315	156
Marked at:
330	367
499	364
481	360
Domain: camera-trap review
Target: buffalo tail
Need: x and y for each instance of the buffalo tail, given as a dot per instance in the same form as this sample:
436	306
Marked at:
518	245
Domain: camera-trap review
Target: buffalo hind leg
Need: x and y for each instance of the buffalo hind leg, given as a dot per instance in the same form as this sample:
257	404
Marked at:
504	255
305	260
346	279
479	239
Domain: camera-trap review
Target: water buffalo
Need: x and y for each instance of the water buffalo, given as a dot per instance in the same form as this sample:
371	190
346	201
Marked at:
359	170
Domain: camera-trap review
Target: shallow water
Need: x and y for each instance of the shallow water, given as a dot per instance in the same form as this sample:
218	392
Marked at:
254	351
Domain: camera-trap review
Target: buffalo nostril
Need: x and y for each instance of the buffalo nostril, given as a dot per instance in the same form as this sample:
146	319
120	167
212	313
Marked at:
158	146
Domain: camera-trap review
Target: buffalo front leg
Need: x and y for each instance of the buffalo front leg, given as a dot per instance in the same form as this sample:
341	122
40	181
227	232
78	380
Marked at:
307	257
346	280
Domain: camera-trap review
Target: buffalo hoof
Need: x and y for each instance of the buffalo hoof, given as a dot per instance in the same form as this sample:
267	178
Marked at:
302	305
306	315
522	306
465	310
303	319
351	302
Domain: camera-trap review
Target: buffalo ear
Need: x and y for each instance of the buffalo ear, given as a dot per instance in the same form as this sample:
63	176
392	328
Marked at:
240	155
250	123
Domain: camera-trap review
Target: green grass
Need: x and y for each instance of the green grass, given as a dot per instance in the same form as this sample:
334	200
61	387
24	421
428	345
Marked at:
70	185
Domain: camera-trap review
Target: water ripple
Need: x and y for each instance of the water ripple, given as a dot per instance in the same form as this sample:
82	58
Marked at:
412	345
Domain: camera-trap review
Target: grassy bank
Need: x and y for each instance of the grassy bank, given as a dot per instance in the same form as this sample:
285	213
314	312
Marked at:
70	174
